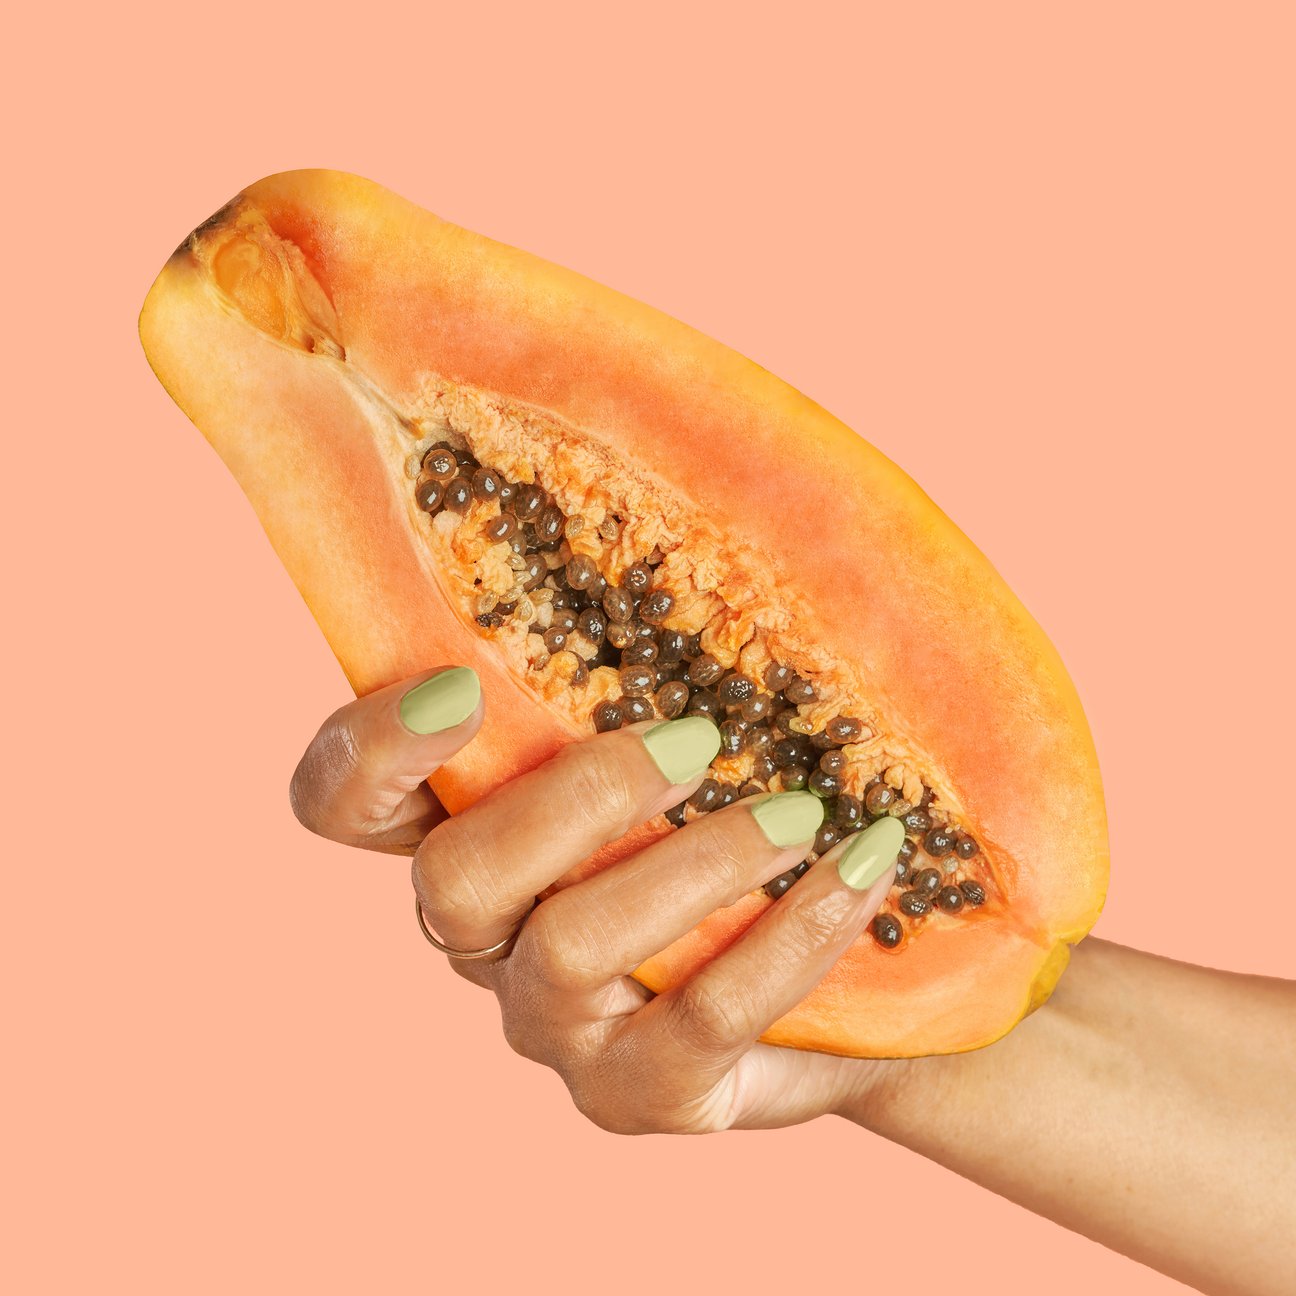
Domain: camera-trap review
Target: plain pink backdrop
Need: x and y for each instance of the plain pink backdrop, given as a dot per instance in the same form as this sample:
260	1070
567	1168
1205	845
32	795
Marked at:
1040	255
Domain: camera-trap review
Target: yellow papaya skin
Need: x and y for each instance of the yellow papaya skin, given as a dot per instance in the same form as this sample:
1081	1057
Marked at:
293	323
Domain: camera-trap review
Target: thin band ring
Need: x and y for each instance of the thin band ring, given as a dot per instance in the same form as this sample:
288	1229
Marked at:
457	953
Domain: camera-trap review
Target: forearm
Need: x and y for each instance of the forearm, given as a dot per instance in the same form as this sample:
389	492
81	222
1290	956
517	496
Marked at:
1150	1105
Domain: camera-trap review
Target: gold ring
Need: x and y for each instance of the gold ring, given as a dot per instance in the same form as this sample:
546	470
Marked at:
456	953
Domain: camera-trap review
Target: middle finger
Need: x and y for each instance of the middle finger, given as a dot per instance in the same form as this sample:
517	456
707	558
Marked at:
478	873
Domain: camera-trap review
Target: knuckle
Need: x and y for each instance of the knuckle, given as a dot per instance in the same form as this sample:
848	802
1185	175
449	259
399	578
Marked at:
815	922
631	1121
621	1122
716	854
708	1022
595	790
552	951
453	875
625	1089
301	799
324	769
608	1120
311	806
613	1117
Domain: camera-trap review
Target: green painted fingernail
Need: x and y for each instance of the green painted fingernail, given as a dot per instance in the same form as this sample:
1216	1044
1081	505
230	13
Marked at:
441	702
682	749
871	854
788	818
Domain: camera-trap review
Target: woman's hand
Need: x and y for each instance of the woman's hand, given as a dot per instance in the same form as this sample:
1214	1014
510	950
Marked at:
686	1061
1148	1106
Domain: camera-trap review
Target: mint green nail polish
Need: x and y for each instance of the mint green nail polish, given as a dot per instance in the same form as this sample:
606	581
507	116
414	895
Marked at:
682	749
871	854
441	702
788	818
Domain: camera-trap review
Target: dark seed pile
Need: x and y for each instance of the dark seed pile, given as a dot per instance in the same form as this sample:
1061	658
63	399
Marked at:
569	605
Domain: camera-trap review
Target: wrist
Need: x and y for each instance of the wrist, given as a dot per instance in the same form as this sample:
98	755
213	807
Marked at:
911	1100
876	1088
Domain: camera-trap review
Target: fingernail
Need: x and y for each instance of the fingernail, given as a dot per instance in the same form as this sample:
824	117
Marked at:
441	702
787	818
682	749
870	854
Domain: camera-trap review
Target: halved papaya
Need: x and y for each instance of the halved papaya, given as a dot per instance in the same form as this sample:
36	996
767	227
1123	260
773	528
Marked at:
465	454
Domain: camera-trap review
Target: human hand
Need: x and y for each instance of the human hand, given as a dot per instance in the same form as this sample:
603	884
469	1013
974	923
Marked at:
685	1061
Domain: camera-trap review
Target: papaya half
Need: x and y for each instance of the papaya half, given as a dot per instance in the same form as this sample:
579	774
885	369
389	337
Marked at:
465	454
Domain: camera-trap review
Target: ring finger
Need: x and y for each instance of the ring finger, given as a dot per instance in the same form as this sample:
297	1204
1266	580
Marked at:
591	934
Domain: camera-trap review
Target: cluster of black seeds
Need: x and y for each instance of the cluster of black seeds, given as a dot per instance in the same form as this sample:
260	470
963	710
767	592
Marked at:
566	601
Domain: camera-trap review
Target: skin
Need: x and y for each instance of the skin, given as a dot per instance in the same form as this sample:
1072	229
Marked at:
1153	1105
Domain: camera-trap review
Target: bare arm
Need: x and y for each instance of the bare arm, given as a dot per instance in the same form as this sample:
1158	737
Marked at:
1150	1105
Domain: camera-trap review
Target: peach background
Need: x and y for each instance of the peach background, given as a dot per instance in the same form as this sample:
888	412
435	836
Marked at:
1040	255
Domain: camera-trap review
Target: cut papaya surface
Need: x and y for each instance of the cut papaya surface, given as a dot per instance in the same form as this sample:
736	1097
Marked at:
465	454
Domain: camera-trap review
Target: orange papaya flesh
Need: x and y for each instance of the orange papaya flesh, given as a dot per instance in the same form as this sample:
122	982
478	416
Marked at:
331	340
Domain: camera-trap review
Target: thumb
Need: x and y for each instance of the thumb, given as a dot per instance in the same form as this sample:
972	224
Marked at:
362	779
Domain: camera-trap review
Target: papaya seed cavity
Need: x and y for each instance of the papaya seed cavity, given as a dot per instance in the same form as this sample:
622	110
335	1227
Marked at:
599	630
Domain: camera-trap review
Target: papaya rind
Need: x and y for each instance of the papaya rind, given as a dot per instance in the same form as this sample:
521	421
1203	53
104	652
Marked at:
413	293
